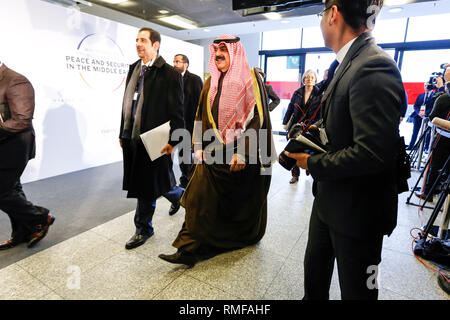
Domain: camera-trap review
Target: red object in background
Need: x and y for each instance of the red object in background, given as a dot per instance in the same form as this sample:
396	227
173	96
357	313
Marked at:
285	89
413	89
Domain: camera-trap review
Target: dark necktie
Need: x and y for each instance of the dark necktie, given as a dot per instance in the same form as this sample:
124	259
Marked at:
331	70
139	89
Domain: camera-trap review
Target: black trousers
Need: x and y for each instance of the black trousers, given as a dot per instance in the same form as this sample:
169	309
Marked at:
146	208
357	261
185	169
23	214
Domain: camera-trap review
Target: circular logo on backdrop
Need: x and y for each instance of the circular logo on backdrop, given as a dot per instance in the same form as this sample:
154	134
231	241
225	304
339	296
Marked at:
100	62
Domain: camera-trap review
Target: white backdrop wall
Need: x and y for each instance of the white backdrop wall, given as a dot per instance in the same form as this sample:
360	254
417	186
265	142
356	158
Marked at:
77	64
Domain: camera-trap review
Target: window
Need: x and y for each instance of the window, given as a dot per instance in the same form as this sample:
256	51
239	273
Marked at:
432	27
281	39
319	62
312	38
283	76
418	65
390	31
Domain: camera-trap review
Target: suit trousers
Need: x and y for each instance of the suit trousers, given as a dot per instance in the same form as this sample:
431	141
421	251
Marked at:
185	169
23	214
417	123
357	261
146	208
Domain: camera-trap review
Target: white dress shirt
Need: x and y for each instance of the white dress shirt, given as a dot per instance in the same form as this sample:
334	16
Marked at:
343	52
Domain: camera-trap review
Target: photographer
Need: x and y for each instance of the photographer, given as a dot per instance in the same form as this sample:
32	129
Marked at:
422	108
441	150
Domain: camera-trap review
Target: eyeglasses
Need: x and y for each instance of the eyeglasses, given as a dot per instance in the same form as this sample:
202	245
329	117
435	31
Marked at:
320	15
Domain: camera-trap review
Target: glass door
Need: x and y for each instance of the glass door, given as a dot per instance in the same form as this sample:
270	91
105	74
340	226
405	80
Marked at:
284	75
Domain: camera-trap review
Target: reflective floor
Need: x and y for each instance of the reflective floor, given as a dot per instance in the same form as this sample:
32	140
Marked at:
94	264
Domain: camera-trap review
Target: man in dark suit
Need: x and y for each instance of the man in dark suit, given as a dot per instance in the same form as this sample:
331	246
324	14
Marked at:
422	108
354	182
271	94
153	96
29	223
192	87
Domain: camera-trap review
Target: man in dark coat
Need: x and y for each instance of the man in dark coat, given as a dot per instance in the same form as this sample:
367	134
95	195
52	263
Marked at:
192	87
226	199
153	96
355	186
271	94
422	108
29	223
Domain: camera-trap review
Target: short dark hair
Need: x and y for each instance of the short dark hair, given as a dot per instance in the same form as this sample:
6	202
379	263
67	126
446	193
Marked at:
355	12
154	35
183	57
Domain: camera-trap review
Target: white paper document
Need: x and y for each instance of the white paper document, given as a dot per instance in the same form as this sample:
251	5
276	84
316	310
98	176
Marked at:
156	139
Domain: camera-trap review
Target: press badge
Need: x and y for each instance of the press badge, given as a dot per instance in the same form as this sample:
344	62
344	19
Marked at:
135	97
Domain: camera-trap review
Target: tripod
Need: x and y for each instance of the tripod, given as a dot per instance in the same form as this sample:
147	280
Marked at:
417	151
425	168
443	196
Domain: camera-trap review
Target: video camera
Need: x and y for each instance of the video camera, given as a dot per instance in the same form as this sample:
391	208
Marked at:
301	140
434	78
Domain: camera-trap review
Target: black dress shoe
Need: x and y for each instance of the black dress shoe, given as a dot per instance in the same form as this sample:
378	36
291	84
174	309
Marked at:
11	243
136	241
41	233
174	208
180	257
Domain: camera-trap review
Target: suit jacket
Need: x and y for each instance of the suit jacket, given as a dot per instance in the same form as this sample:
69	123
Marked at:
272	95
355	184
192	85
163	101
420	102
17	142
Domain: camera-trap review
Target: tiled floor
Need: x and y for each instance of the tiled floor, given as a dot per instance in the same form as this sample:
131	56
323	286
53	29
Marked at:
95	264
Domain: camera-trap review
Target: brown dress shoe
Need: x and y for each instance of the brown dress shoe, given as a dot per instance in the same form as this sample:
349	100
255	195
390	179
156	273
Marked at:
39	235
8	244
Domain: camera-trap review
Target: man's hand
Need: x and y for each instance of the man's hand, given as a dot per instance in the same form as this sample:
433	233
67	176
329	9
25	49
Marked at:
302	159
199	156
120	141
236	164
439	82
285	127
167	149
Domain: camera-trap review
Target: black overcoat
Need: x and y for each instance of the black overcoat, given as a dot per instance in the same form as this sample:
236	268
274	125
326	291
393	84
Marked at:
163	101
192	88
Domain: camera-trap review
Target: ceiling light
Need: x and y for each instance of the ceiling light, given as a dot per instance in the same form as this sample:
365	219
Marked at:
114	1
396	2
272	15
285	21
206	30
163	11
395	10
179	22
